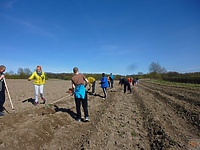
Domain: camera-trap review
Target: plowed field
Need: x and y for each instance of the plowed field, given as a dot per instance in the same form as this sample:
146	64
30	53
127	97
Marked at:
152	117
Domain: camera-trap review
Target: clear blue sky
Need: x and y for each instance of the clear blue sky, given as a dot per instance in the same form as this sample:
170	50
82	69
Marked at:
118	36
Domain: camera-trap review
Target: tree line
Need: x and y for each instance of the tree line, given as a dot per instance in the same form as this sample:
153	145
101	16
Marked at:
156	71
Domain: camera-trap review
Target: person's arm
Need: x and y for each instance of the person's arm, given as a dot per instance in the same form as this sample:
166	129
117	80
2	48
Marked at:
86	82
31	77
2	76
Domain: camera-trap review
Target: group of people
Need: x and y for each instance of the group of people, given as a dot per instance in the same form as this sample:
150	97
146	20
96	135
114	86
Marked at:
79	84
128	82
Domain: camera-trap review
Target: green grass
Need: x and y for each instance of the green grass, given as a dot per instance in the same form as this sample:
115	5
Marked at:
133	134
176	83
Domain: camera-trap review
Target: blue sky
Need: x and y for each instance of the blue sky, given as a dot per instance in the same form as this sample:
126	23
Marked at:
118	36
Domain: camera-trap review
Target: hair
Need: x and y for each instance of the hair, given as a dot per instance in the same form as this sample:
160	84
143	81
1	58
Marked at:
75	69
2	67
39	67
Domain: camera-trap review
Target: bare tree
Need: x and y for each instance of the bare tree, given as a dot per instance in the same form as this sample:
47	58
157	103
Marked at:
140	73
27	71
20	71
156	68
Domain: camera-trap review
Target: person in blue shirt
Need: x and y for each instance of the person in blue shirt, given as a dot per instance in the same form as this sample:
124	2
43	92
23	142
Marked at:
111	80
104	85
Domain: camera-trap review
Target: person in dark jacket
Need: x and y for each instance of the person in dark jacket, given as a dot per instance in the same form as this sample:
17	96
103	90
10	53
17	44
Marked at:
2	89
126	84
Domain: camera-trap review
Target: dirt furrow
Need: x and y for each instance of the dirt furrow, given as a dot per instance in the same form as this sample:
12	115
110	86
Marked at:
190	114
191	96
158	121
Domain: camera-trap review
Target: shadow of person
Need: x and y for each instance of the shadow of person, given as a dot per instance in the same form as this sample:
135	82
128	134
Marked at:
96	94
30	100
90	93
71	113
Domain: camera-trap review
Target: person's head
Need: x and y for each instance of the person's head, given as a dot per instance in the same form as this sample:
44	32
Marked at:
103	74
38	68
2	68
75	70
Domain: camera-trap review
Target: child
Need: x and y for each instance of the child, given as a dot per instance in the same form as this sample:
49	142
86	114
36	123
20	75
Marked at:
104	84
2	89
39	82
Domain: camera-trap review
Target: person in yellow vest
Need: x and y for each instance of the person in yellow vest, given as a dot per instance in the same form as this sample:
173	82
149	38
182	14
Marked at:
91	82
39	81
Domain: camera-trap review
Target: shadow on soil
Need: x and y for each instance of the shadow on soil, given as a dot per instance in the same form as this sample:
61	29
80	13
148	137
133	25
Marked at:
71	113
30	100
95	94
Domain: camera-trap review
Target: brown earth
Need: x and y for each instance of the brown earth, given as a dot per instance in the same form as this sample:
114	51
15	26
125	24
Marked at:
154	116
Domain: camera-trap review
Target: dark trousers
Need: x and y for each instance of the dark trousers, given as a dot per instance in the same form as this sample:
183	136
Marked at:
93	87
111	82
104	92
84	103
129	87
2	99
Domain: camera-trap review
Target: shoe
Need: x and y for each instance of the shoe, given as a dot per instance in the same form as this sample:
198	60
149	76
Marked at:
87	119
43	101
79	120
35	103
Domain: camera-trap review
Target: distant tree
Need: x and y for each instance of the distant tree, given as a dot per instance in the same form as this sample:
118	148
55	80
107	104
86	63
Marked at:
156	68
140	73
11	72
23	73
20	71
27	71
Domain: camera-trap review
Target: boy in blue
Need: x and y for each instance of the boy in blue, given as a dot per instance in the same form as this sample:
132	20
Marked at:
104	84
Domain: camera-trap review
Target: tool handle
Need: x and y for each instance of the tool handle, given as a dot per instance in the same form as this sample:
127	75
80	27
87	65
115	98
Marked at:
8	94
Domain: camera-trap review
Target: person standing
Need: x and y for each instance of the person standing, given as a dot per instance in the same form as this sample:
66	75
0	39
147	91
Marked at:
130	80
91	82
111	80
104	84
108	80
39	81
2	89
79	82
126	84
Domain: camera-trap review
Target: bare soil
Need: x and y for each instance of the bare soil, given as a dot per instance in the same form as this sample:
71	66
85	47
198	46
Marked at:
152	117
